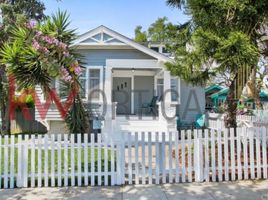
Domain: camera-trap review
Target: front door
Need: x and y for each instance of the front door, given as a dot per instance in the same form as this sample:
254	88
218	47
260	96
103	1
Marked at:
122	94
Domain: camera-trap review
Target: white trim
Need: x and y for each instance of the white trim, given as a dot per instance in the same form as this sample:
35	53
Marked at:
124	39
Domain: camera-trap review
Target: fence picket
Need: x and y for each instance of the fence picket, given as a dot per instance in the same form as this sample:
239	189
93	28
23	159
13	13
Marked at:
163	160
177	165
39	161
6	143
251	155
92	160
157	160
79	167
183	156
66	160
25	161
245	151
264	152
52	160
136	158
143	156
12	159
59	159
213	155
46	160
207	171
150	168
72	161
99	160
113	164
258	153
86	159
239	167
233	166
189	148
219	145
18	182
226	155
129	159
105	164
170	166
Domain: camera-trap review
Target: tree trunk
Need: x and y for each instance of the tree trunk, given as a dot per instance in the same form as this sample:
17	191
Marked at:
231	105
254	90
4	103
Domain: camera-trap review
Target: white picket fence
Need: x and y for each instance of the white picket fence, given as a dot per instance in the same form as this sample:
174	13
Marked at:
139	158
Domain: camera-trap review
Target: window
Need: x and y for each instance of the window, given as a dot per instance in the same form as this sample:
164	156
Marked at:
155	49
83	82
94	84
174	89
160	87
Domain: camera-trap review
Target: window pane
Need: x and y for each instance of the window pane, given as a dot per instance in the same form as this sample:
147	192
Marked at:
174	89
94	73
160	81
94	84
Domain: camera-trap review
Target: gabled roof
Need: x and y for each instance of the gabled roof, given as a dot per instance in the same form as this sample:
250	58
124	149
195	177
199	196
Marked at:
105	36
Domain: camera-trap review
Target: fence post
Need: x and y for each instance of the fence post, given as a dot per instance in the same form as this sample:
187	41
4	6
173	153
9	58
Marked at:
198	155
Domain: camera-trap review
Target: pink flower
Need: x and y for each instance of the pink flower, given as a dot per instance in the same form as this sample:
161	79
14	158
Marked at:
77	70
31	24
38	34
66	54
65	74
35	45
62	45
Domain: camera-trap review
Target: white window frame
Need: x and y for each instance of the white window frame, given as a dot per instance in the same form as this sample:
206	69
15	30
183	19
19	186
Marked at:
178	89
88	68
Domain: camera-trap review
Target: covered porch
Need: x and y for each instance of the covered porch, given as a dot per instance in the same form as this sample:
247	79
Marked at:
136	85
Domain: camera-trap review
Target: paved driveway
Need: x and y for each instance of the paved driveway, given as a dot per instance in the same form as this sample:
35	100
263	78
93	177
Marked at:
256	190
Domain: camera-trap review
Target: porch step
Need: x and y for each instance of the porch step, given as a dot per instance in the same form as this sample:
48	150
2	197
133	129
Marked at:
146	124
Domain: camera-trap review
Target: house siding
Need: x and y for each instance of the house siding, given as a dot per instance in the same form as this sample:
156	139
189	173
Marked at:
192	102
98	57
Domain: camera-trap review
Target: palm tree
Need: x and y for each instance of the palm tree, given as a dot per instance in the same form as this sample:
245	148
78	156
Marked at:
39	53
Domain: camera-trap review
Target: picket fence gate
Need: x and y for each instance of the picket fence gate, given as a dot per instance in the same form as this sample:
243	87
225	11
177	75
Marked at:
138	158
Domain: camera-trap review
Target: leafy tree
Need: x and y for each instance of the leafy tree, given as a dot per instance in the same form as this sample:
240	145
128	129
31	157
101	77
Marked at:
158	30
140	36
221	36
37	54
12	12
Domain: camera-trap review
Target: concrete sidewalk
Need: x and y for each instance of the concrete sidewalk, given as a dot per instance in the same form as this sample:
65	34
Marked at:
226	190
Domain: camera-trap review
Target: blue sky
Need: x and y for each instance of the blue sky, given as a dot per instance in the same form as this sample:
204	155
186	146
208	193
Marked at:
120	15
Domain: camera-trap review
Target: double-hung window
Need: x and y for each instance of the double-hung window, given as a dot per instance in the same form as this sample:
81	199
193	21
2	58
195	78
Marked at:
83	83
174	89
160	87
94	84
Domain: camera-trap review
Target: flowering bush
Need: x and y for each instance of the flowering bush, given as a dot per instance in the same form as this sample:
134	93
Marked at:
49	48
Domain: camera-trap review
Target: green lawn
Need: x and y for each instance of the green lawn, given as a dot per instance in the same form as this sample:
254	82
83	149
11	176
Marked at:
95	160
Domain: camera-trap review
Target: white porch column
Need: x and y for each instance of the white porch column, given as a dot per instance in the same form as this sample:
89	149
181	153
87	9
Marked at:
108	123
167	86
167	110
